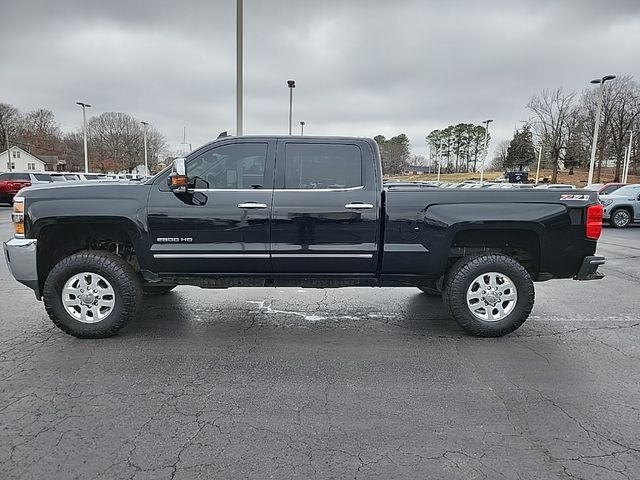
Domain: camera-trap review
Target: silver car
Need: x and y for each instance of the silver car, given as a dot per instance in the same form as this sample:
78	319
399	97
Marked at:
622	207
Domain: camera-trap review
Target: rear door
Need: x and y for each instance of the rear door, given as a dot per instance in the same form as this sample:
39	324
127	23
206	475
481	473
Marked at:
222	224
325	208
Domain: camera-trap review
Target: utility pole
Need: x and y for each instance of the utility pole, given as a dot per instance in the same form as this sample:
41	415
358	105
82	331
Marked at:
486	145
601	82
539	159
439	158
292	85
302	124
627	163
84	106
6	140
239	78
144	136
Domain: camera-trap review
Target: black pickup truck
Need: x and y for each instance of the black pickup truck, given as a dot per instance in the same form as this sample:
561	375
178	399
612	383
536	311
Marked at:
295	211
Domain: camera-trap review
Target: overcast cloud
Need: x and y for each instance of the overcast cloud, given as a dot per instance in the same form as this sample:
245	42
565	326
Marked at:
361	67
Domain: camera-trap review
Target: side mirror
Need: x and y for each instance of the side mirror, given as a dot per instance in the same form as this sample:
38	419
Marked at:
178	181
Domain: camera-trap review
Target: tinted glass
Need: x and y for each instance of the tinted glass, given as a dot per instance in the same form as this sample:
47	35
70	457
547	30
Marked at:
610	189
628	190
231	166
4	176
71	177
43	177
58	178
20	176
315	166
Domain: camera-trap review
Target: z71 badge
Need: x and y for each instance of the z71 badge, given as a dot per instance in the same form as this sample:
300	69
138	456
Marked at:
574	197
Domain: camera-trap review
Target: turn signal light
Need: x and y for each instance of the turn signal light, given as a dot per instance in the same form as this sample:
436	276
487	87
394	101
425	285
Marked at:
17	217
593	227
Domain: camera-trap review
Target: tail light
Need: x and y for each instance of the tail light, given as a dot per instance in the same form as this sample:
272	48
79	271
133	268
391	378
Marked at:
593	228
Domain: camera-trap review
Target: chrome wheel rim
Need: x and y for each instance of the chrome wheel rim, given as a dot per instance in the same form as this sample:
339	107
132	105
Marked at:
491	297
88	297
621	218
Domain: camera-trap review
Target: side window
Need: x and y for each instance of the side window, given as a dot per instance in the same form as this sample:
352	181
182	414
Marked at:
4	177
322	166
21	176
239	165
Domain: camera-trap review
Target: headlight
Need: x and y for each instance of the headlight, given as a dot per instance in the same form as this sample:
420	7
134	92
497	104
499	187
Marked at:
18	216
606	201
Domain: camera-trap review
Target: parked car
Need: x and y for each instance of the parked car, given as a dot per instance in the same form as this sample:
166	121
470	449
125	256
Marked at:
557	186
622	207
229	215
604	188
11	183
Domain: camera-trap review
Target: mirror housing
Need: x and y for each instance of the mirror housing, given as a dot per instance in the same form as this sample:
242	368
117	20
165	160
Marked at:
178	181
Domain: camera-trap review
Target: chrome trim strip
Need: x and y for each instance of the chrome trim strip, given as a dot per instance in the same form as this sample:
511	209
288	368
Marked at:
322	255
359	206
264	190
252	205
210	255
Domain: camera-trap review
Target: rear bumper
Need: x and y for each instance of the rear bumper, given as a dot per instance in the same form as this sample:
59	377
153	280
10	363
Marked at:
589	268
21	256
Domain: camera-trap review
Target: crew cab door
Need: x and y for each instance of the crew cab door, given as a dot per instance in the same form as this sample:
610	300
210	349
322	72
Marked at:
325	208
221	225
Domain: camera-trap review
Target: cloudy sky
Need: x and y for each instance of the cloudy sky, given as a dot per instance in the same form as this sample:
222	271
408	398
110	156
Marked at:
361	67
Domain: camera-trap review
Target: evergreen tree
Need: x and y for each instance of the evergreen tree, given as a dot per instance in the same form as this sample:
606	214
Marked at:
521	152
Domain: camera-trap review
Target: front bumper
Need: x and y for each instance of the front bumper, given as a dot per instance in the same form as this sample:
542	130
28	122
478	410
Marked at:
589	268
21	256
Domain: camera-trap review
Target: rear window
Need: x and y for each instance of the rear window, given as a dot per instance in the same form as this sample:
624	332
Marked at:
322	166
42	177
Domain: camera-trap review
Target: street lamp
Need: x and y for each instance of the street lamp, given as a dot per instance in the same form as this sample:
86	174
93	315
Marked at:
144	136
627	163
292	85
600	81
302	124
539	159
486	144
84	106
239	67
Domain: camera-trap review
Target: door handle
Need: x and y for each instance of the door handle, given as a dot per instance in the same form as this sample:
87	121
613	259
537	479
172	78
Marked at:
252	205
359	206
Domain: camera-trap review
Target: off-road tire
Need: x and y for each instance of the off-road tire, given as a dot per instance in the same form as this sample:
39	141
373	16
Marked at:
612	218
122	277
465	271
156	290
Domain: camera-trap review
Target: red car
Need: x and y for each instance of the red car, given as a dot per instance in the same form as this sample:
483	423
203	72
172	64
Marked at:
604	188
11	183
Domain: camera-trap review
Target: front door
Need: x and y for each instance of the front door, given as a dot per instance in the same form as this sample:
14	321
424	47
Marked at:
325	208
222	224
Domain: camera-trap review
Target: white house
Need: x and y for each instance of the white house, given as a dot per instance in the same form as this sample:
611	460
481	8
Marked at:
21	161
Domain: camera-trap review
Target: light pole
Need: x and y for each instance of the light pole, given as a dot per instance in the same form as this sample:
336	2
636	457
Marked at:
144	136
439	158
239	67
292	85
627	163
302	124
539	160
486	145
84	106
600	81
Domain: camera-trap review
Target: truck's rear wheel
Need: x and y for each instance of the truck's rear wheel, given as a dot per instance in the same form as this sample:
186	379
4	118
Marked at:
489	295
92	294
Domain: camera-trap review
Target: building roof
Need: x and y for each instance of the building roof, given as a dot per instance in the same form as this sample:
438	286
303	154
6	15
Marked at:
52	160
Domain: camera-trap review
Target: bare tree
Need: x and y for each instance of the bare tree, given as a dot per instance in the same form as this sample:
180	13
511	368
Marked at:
116	142
11	123
42	132
500	157
552	110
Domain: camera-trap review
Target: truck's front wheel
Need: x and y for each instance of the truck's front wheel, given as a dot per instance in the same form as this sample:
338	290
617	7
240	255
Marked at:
92	294
489	295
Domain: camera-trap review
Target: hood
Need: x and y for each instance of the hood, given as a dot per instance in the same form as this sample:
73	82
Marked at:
76	187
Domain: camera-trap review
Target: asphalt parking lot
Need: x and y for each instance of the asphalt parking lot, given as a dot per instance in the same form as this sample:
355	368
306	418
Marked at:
350	383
